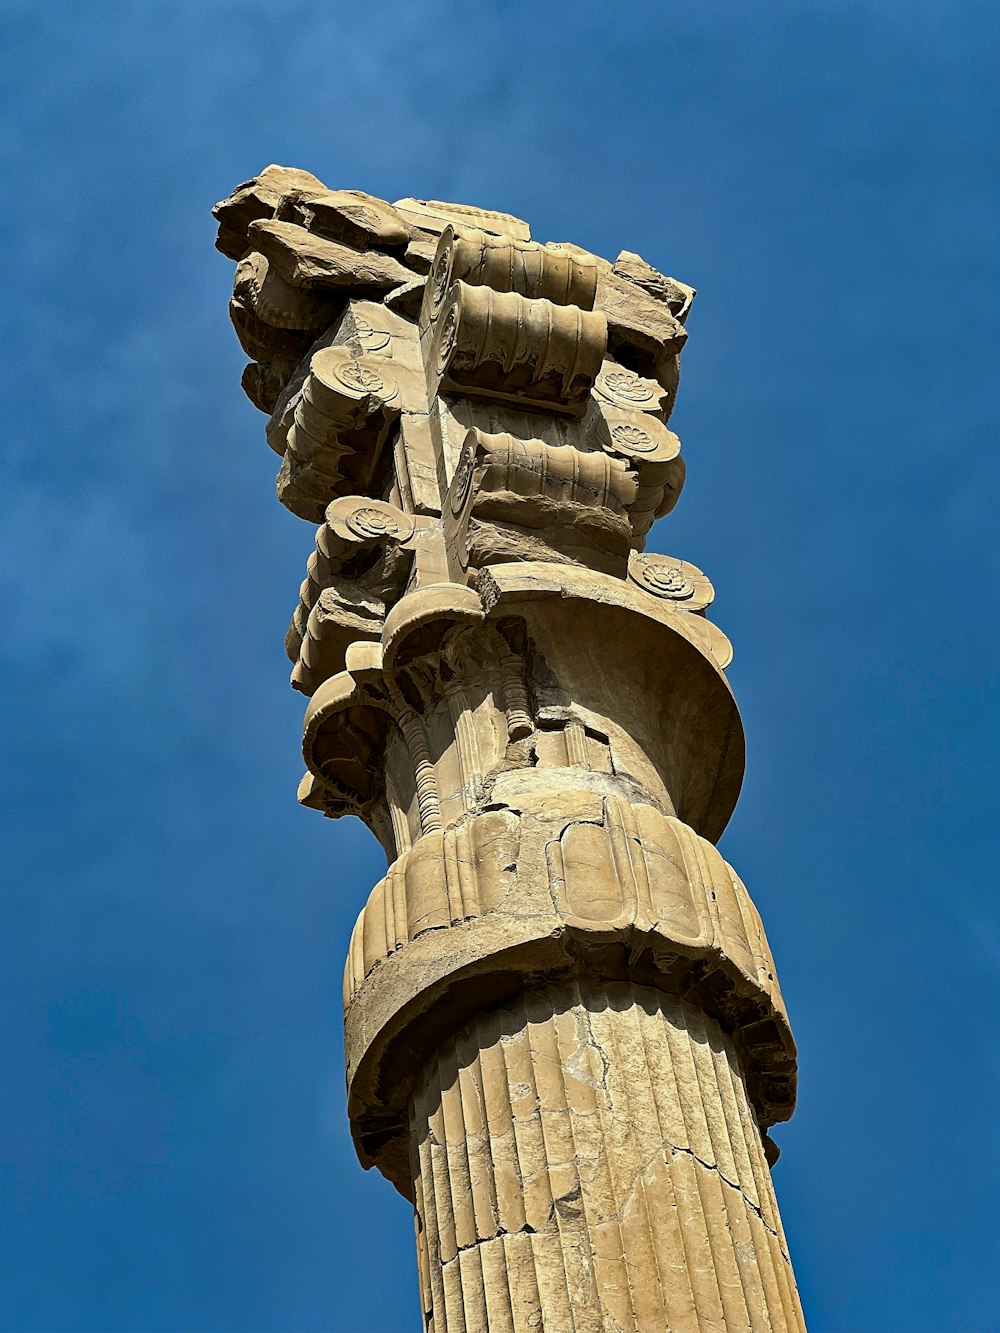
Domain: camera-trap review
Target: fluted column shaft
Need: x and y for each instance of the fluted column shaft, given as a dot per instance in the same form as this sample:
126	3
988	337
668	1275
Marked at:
585	1159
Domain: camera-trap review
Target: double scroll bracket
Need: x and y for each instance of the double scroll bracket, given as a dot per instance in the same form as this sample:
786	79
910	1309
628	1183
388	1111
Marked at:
373	735
512	498
335	427
507	264
512	348
363	556
512	321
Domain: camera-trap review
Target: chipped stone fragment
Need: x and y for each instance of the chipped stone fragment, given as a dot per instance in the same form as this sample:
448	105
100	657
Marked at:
263	382
263	341
306	260
420	252
676	296
349	216
634	317
257	198
407	298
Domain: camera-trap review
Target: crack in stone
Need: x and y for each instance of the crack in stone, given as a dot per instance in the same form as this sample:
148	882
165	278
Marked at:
526	1230
733	1185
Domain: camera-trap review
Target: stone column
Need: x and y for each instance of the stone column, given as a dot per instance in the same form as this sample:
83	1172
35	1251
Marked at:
565	1039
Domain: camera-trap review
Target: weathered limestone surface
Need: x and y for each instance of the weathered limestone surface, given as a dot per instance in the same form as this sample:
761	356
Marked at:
565	1039
590	1151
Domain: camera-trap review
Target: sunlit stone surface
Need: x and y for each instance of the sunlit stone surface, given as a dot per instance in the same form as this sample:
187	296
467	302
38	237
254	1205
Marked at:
565	1038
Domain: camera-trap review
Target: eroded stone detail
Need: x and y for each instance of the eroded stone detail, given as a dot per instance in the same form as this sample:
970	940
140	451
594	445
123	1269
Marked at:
565	1039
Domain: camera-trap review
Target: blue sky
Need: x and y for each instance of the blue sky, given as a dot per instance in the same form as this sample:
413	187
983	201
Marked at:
173	1149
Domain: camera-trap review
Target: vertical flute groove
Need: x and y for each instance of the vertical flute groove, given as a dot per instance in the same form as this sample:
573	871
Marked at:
592	1100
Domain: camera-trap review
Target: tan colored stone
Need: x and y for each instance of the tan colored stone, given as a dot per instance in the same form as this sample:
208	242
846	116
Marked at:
432	215
564	1035
676	296
506	265
637	319
276	302
262	341
599	260
605	1089
516	349
307	260
349	216
263	381
257	198
407	299
420	252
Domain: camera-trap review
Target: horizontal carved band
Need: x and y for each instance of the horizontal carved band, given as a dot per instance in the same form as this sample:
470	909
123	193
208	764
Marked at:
509	265
466	914
530	468
433	215
439	645
506	346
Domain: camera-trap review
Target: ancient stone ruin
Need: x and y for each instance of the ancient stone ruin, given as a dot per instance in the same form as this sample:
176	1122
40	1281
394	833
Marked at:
565	1038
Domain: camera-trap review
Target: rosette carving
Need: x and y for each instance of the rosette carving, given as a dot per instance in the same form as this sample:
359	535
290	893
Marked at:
637	436
622	387
673	580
